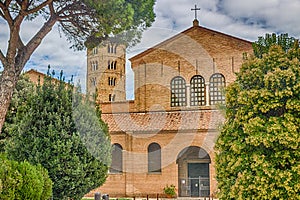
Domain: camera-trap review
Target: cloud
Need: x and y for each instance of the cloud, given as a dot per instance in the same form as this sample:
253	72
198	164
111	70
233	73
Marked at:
247	19
277	15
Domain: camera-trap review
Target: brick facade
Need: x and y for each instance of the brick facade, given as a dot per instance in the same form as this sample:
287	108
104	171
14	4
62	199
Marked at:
178	130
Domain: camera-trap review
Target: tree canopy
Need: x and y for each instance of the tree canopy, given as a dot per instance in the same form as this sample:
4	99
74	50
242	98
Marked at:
89	21
258	152
64	133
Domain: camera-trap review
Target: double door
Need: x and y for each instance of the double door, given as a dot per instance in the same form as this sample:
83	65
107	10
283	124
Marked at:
198	179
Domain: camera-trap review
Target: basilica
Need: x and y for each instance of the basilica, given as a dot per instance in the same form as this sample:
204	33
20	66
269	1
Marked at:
166	135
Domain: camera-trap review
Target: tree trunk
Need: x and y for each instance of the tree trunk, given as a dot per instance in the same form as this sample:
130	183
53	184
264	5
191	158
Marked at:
8	80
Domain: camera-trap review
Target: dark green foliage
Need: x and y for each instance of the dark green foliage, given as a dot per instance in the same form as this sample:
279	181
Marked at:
122	20
49	134
258	152
23	181
263	44
23	91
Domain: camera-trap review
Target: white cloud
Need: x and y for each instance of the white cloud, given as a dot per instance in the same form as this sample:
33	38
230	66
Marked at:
278	15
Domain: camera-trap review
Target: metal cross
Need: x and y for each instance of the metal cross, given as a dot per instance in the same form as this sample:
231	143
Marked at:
195	9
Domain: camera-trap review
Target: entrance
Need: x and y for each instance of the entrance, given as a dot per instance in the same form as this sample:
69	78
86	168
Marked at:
193	172
198	175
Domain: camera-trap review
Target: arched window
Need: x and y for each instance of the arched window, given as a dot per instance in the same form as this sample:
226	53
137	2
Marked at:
115	65
178	91
112	81
117	159
197	91
154	158
112	49
108	48
95	50
216	87
108	64
112	65
93	81
111	97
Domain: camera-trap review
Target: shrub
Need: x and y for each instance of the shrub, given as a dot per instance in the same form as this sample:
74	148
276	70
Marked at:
23	181
170	190
10	177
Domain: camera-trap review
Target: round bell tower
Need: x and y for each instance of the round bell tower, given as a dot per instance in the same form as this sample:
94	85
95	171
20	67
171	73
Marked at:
106	72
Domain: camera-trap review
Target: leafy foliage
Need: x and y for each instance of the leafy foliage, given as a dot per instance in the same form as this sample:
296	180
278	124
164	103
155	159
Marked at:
263	44
23	180
258	152
170	190
23	91
49	133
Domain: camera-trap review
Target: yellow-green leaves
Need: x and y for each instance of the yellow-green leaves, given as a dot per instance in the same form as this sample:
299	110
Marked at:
259	145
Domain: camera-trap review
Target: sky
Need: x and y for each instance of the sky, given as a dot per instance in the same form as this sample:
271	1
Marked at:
246	19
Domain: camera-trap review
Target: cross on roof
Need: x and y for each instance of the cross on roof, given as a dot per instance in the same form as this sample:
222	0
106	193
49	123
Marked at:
195	9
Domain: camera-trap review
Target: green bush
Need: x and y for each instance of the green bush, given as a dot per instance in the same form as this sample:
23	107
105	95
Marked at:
10	177
170	190
23	181
32	182
47	187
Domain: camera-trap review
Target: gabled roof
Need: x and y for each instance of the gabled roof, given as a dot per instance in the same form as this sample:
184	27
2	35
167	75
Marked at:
195	27
163	121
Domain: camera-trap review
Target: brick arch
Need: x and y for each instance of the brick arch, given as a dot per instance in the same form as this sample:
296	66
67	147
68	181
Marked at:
193	172
193	153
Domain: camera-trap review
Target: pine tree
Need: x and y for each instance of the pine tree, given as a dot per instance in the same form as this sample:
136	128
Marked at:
258	152
49	133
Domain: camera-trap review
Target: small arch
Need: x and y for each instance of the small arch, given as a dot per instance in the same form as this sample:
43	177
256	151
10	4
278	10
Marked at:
193	153
154	158
95	65
112	49
117	159
197	85
93	81
193	172
178	91
115	49
216	87
108	64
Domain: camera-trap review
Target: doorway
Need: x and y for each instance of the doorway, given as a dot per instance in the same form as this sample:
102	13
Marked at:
198	175
193	172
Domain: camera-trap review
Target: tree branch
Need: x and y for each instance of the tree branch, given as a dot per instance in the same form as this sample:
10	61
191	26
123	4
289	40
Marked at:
2	6
38	37
1	14
2	58
39	7
7	2
5	12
